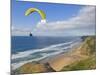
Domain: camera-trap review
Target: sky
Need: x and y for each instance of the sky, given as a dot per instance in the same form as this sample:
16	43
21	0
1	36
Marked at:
61	19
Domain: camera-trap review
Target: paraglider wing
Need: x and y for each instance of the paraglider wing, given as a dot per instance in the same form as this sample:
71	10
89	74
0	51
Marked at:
31	10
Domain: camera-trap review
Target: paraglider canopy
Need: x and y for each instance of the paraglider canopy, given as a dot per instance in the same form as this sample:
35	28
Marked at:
31	10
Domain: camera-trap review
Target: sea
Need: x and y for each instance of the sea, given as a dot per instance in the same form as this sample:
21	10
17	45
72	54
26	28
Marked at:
26	49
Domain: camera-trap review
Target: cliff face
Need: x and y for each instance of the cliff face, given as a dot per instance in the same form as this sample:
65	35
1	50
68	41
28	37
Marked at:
88	48
32	68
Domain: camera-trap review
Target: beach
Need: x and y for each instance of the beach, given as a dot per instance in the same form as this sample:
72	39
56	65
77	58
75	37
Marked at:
58	62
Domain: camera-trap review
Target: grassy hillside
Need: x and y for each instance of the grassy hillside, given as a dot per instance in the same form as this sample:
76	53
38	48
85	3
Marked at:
89	49
89	46
86	64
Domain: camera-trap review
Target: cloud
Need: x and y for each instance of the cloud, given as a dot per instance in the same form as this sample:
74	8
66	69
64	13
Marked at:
81	24
20	31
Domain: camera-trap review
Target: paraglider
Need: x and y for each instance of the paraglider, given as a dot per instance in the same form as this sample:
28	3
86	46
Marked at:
41	13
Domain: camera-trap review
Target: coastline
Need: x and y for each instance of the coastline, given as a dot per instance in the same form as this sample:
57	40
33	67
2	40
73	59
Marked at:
55	63
67	46
63	54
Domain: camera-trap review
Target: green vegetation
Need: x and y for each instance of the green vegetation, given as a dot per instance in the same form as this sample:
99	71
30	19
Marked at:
31	68
86	64
89	49
89	46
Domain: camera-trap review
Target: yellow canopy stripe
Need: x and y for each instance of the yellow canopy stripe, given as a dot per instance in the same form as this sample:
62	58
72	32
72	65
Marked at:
31	10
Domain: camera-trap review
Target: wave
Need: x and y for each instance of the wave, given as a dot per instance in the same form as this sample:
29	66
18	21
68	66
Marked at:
17	65
22	58
28	52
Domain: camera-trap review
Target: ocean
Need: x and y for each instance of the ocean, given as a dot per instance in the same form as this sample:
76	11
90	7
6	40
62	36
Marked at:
27	49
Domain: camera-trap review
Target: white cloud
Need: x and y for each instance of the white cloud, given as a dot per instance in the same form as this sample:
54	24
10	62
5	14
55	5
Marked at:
81	24
20	31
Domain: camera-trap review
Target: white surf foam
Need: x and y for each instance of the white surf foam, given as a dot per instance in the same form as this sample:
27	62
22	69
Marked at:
17	65
28	52
58	48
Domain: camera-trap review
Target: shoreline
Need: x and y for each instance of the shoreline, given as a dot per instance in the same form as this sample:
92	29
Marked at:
56	63
68	52
46	59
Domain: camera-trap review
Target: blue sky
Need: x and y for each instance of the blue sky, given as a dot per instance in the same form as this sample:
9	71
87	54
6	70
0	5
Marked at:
55	13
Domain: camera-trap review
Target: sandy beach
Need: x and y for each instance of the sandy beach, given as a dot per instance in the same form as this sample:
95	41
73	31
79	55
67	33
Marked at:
59	61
